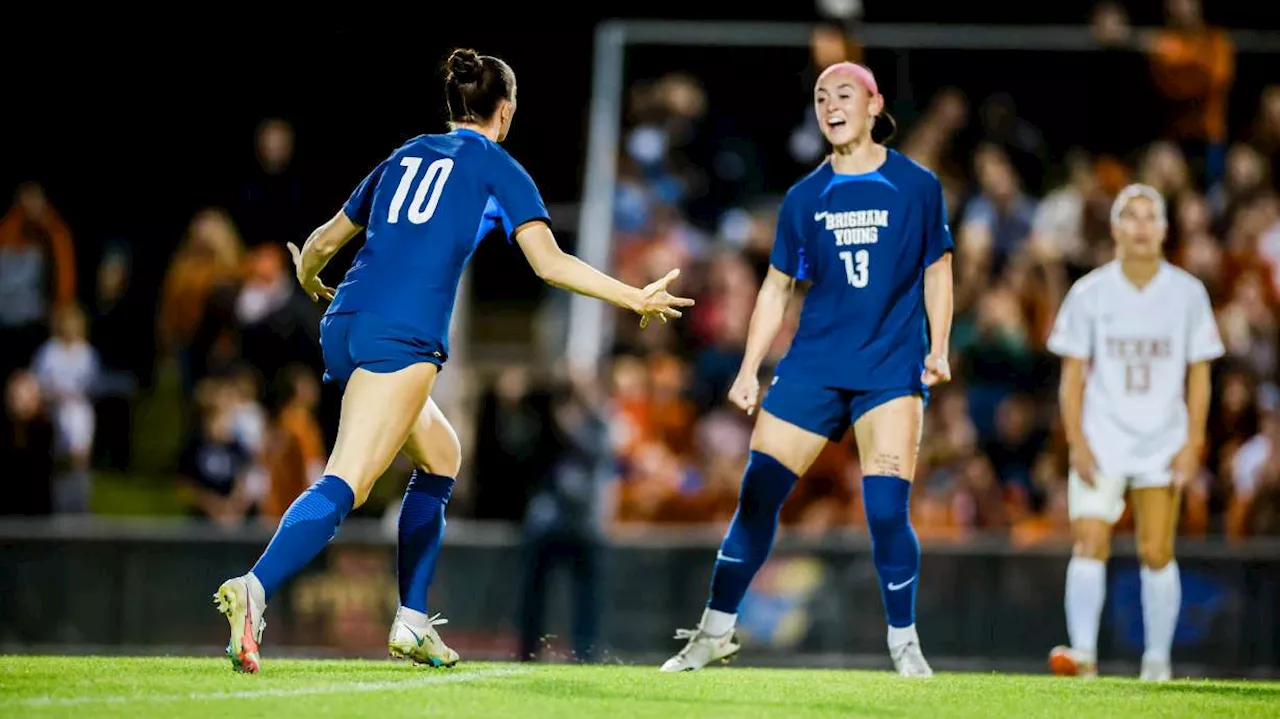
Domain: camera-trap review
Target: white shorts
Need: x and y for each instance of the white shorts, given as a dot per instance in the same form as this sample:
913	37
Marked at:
76	425
1105	500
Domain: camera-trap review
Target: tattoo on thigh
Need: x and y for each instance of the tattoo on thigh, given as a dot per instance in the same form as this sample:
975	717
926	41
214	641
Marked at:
885	463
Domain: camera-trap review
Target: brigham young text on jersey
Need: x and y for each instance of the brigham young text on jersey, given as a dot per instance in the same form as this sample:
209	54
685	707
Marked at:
864	242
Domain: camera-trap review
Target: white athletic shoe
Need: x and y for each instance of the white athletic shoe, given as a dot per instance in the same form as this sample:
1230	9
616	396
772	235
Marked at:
908	660
701	650
1067	662
421	644
242	602
1155	670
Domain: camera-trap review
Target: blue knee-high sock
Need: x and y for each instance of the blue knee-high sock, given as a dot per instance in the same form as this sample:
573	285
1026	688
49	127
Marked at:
765	486
421	533
306	527
893	545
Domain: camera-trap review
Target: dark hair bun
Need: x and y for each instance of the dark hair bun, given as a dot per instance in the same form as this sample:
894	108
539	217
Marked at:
464	66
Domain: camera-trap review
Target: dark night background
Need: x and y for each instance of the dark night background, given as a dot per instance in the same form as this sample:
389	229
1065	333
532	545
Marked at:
132	127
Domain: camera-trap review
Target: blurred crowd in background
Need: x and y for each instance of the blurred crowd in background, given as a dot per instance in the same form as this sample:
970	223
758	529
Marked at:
1027	224
650	439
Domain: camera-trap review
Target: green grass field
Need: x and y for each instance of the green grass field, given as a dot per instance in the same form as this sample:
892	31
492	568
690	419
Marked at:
186	687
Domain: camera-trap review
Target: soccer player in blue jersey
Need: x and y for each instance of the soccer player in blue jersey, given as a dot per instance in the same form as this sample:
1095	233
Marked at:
385	339
867	231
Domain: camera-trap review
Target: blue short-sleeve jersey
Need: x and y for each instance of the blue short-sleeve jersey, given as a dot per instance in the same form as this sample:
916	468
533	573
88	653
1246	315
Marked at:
863	243
424	210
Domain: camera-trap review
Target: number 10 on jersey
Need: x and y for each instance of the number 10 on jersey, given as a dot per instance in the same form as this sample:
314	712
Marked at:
856	267
422	207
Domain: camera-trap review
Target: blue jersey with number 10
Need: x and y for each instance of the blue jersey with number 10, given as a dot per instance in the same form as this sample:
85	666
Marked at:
425	209
863	241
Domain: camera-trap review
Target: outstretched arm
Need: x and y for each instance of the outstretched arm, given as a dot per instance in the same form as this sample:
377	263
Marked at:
320	247
561	269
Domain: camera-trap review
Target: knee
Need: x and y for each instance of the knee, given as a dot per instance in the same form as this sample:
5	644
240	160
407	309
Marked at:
442	453
447	460
1092	543
1155	554
887	502
765	486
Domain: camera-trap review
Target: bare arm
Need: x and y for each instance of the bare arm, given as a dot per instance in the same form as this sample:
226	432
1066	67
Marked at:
766	320
1186	465
938	303
320	247
1071	399
561	269
1199	389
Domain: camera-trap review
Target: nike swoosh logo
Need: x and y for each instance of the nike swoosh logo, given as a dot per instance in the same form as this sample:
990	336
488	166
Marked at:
819	216
419	639
726	558
895	587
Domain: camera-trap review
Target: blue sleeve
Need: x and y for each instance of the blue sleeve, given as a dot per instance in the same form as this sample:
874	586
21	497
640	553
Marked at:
788	244
515	200
937	233
358	206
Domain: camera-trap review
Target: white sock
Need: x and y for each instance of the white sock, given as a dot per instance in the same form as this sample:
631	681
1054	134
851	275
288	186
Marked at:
1085	595
717	623
414	618
1161	601
900	636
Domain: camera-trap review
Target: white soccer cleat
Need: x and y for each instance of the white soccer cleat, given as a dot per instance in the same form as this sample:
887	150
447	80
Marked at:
1156	670
908	660
241	601
1067	662
701	650
420	644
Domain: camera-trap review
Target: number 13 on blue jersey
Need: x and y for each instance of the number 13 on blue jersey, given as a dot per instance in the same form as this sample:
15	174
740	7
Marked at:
422	207
856	267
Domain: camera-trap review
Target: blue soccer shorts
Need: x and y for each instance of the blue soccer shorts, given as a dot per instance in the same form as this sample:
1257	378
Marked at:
828	411
352	340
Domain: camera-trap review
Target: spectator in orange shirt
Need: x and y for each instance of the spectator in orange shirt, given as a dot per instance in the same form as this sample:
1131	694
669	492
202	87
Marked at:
208	261
1193	65
37	274
295	453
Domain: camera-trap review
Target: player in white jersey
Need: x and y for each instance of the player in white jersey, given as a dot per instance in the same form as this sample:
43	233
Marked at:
1136	337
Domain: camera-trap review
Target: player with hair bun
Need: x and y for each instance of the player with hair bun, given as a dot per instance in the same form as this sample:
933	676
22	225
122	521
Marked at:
385	338
1136	337
867	232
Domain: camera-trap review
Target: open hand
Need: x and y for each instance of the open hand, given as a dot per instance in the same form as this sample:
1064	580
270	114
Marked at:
655	301
314	288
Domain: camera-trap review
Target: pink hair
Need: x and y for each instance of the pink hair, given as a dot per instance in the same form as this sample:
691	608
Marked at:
863	75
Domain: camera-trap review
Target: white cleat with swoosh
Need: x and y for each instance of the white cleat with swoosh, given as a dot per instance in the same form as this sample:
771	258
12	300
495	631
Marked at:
421	644
700	650
909	661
